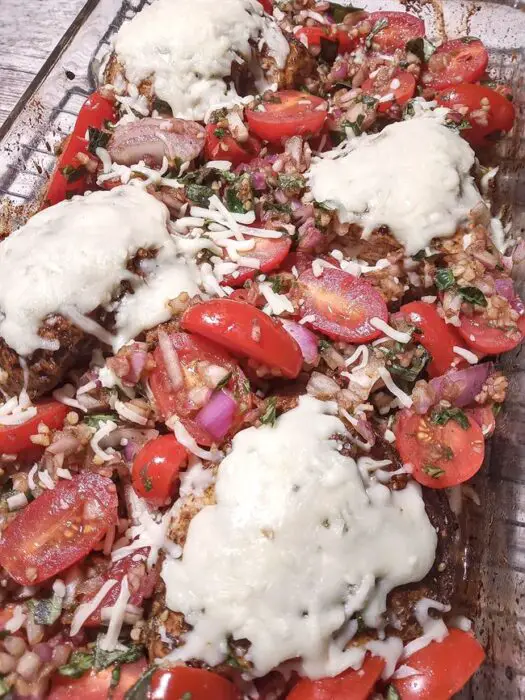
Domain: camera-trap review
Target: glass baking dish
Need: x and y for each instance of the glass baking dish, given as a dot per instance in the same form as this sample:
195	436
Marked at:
491	554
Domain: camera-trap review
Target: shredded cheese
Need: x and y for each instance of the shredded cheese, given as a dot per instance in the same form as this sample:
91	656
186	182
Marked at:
118	611
467	355
391	332
404	399
85	610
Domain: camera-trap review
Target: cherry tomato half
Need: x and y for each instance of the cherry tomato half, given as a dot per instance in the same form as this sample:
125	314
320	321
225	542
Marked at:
96	686
95	112
269	251
402	87
220	145
400	27
287	113
155	471
349	685
58	528
195	683
490	114
454	62
436	336
340	305
267	6
443	668
311	36
492	341
15	438
245	331
197	358
441	455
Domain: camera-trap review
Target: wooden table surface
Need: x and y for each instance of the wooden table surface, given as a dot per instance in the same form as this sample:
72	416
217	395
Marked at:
29	30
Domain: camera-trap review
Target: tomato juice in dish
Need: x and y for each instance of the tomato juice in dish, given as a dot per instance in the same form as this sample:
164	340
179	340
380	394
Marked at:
247	363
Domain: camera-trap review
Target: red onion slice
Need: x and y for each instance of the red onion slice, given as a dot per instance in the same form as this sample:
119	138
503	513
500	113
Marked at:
505	288
461	386
306	340
217	416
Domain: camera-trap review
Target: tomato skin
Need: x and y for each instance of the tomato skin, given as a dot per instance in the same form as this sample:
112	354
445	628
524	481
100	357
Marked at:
270	251
341	305
455	62
231	324
95	112
312	37
58	528
444	667
96	686
459	452
482	338
227	148
401	27
301	262
287	113
437	337
500	116
155	471
199	684
15	438
349	685
267	6
402	94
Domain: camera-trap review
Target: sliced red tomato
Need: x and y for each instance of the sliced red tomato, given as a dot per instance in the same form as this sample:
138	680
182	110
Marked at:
440	455
69	177
220	145
58	528
299	261
312	36
197	357
155	471
15	438
402	87
340	305
96	686
267	6
490	114
443	668
436	336
484	417
270	251
400	27
287	113
195	683
245	331
454	62
349	685
141	585
492	341
95	112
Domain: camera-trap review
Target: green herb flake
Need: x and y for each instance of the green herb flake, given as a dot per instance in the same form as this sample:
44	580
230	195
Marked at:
270	412
140	691
233	661
290	181
339	12
246	386
102	659
409	110
115	677
45	611
146	480
368	100
186	696
444	278
420	47
392	693
200	194
324	345
276	284
95	420
473	295
73	174
433	471
219	133
4	688
161	106
355	126
378	26
224	381
442	417
496	408
97	139
412	372
79	663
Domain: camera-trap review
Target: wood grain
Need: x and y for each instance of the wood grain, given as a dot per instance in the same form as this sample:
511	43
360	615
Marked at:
29	30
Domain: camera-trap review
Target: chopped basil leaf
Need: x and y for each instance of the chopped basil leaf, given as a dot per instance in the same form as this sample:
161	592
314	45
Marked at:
420	47
45	611
378	26
233	661
79	663
447	451
433	471
420	255
329	49
368	100
72	174
339	12
392	693
186	696
444	278
277	284
291	182
270	412
355	126
274	206
96	419
324	345
496	408
224	381
246	385
442	417
140	691
409	111
233	202
97	139
219	133
115	677
411	373
200	194
473	295
4	688
102	659
146	480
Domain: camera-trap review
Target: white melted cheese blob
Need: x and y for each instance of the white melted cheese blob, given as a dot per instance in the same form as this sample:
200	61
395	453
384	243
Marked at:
295	545
71	258
187	48
414	177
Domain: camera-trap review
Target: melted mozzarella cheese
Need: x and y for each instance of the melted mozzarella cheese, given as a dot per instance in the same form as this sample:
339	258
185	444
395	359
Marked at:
414	177
187	48
294	546
71	258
